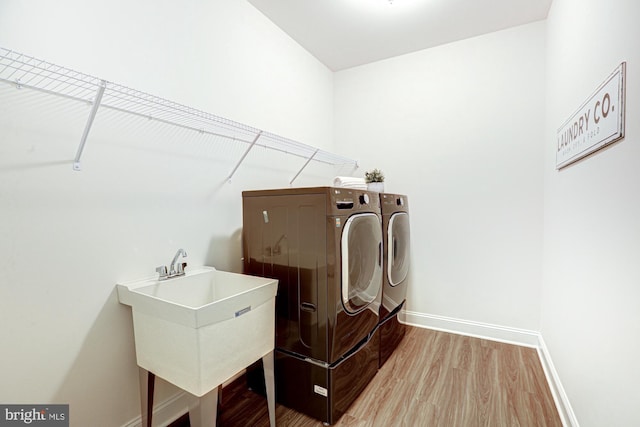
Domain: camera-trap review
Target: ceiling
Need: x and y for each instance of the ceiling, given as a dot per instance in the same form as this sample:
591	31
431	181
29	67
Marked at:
347	33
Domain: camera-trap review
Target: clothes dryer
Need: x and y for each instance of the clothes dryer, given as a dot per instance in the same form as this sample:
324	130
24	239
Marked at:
395	229
324	245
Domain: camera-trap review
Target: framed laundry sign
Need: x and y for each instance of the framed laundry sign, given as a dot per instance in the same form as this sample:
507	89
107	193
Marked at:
598	122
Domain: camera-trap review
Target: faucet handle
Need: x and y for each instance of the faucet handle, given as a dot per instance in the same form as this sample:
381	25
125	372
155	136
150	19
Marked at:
162	271
181	267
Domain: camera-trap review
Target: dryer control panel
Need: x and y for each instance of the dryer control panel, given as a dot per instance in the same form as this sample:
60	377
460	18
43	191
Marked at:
345	199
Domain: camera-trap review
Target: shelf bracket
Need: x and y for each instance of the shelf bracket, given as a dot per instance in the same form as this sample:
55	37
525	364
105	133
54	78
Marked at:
258	135
304	166
92	115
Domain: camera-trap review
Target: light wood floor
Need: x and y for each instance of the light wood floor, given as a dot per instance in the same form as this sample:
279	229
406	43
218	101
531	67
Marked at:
433	379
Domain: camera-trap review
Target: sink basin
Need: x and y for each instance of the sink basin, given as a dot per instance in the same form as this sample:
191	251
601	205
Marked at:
198	330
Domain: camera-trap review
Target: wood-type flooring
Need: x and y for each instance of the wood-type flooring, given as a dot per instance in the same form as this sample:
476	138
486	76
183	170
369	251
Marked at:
433	379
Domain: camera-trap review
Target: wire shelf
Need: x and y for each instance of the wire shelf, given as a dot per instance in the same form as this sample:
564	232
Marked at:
25	71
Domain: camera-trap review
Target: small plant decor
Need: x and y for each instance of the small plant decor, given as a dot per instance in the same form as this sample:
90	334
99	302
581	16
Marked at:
375	180
375	175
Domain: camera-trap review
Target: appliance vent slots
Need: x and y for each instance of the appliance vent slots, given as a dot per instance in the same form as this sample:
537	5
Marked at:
25	71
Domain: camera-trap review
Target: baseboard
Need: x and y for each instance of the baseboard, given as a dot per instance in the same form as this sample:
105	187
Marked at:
166	412
488	331
174	407
522	337
565	410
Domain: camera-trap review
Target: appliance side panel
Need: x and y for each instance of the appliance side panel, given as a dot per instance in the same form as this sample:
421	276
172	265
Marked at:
284	239
303	386
312	275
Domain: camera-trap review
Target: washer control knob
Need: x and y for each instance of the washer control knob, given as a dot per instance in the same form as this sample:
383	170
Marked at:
364	199
400	201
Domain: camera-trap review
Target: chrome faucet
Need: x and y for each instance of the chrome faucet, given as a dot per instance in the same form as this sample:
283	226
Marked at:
173	270
181	266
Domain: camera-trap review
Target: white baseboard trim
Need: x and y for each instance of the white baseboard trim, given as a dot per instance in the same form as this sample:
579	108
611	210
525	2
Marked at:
522	337
488	331
174	407
166	412
565	410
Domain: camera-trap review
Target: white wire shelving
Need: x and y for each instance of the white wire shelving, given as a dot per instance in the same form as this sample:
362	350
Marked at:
25	71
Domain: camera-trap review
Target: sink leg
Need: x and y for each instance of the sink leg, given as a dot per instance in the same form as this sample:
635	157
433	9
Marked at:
204	410
147	381
151	383
269	380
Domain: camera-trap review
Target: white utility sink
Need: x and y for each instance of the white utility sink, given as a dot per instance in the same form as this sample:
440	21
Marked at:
198	330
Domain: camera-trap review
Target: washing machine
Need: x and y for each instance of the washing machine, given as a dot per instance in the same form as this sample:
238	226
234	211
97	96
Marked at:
324	245
395	229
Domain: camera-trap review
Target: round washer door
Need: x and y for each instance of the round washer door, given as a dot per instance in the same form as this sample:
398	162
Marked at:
398	250
361	250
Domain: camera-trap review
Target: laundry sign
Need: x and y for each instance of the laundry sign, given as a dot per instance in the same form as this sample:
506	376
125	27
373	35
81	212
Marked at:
598	122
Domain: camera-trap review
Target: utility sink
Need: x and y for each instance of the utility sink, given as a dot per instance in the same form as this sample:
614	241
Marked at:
198	330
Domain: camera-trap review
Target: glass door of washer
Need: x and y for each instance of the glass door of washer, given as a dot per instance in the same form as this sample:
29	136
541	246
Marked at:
398	250
361	247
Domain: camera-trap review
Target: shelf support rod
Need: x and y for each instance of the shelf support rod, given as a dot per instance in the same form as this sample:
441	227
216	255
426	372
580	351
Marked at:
92	115
258	135
304	166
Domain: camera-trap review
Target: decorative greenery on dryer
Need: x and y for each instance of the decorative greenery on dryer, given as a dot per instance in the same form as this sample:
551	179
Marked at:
375	175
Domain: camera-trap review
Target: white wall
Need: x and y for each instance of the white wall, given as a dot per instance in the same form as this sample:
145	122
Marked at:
66	238
591	294
457	128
